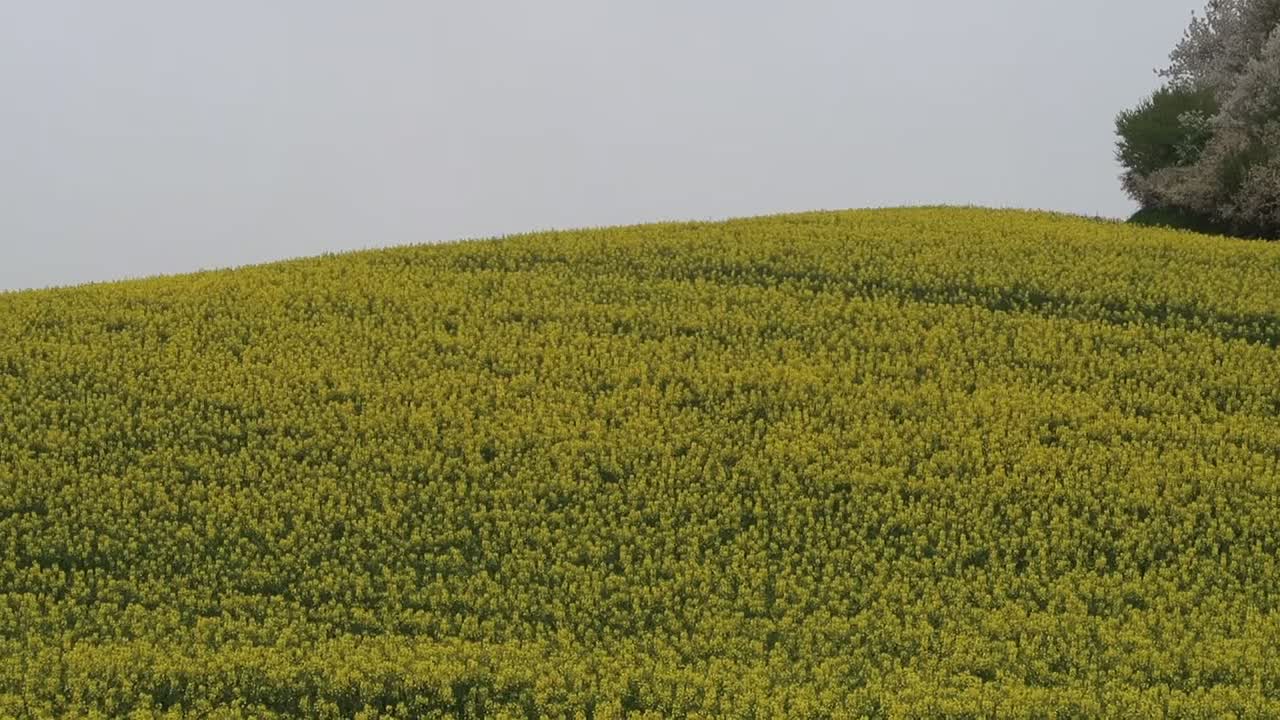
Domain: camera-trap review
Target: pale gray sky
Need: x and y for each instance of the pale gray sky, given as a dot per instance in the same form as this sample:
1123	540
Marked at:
156	136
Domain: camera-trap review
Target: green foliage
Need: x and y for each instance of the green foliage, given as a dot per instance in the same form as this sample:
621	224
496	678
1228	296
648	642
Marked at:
1183	219
1167	129
909	463
1180	219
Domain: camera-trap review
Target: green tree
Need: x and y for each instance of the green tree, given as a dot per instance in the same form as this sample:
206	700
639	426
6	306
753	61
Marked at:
1168	129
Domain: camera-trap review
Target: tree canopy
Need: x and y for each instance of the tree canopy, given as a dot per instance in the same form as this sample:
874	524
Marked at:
1207	144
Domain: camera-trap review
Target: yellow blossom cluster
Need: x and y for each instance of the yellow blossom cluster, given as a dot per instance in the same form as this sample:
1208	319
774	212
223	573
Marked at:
930	462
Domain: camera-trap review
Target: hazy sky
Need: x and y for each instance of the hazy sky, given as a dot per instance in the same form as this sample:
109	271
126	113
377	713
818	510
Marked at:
142	137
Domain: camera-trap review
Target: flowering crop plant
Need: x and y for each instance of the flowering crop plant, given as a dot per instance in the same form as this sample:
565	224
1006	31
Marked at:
929	462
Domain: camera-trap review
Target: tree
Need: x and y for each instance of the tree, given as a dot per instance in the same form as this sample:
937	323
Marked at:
1216	48
1207	145
1167	130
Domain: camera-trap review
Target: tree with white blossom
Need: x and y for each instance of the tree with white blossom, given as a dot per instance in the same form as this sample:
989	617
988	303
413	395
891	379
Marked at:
1207	145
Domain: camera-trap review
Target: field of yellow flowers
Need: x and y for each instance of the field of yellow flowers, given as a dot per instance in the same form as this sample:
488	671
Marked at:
931	462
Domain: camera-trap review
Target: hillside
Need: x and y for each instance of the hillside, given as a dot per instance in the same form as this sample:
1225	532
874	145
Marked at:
897	463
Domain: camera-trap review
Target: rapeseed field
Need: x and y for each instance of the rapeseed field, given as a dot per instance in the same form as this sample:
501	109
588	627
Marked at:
929	462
